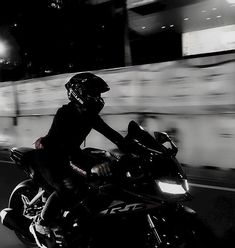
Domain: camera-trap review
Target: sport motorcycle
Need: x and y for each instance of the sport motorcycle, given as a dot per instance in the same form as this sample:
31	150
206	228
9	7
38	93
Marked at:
142	204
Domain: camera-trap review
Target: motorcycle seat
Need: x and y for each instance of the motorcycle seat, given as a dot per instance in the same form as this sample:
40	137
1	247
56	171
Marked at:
18	153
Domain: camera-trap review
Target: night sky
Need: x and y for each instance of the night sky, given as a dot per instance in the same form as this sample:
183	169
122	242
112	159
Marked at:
47	37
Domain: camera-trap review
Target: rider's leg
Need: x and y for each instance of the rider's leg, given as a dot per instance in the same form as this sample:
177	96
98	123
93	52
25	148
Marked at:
52	209
69	190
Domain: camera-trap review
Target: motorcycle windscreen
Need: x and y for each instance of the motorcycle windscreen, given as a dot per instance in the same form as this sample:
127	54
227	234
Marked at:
167	167
136	132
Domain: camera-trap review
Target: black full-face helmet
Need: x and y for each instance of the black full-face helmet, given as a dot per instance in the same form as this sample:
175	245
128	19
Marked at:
85	89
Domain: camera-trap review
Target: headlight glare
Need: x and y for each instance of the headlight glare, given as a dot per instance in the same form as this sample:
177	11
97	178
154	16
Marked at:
172	187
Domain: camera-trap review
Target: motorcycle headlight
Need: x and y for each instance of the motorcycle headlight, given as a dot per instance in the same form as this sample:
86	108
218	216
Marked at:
173	187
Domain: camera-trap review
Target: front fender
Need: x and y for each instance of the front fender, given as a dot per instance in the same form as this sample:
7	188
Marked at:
181	209
175	213
179	224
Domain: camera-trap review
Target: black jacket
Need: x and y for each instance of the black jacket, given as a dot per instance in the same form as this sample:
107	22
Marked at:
70	128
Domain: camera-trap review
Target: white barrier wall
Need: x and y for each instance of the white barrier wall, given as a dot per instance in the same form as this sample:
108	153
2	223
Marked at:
192	99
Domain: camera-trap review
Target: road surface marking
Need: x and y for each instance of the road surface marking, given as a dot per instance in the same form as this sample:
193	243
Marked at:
211	187
6	162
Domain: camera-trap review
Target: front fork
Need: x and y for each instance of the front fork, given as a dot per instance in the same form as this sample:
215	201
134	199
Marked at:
154	231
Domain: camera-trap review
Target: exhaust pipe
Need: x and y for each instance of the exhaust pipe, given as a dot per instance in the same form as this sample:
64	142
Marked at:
16	222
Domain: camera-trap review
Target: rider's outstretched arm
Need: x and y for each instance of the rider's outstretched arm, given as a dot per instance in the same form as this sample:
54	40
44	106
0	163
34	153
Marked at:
103	128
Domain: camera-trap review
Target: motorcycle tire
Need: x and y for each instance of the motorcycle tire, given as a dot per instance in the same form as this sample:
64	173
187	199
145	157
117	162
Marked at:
193	233
28	189
182	230
199	235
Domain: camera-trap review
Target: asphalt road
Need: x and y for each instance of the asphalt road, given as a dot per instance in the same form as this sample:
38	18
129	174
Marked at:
10	176
213	194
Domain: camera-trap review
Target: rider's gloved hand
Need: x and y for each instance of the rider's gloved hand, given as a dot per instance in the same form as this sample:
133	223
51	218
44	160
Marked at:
103	169
68	183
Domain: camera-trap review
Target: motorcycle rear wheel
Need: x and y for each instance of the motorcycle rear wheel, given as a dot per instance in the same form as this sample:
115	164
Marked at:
28	189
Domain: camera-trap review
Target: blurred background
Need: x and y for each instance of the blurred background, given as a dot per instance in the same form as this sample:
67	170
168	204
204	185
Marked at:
170	65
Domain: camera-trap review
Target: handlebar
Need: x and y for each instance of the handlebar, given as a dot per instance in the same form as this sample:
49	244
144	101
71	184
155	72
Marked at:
126	169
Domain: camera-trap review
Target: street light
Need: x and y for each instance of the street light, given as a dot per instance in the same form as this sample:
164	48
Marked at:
3	49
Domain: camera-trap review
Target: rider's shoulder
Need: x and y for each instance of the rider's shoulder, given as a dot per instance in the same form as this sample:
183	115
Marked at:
64	109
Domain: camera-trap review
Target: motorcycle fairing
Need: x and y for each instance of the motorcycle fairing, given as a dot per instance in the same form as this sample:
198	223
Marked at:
162	163
121	207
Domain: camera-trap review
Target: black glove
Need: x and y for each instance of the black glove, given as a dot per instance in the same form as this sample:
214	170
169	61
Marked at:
103	169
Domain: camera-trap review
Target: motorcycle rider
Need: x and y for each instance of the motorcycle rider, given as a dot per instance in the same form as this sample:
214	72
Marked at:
59	153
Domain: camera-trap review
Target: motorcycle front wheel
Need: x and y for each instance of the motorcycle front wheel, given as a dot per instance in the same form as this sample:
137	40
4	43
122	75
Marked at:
182	231
29	190
197	234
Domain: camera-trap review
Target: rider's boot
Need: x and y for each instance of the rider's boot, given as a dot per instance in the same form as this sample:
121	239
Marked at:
42	227
41	232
